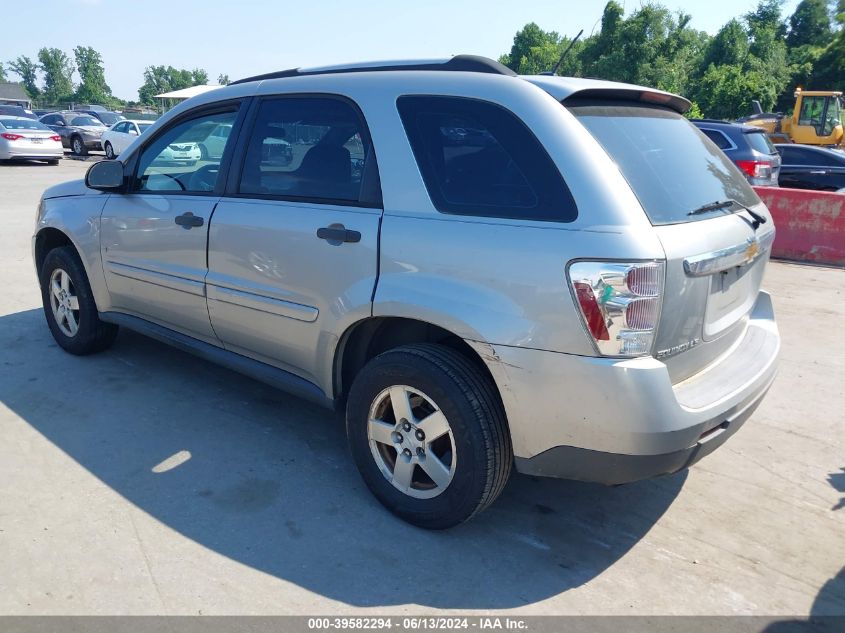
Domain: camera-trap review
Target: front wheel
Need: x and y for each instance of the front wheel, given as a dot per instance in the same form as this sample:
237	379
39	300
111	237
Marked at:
69	305
109	151
428	433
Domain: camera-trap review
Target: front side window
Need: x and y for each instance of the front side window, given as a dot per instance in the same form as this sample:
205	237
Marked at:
477	158
174	162
306	147
122	128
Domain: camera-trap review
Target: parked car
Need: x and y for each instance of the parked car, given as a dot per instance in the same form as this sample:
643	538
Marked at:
747	146
89	107
810	167
106	117
23	138
80	132
17	111
118	137
563	294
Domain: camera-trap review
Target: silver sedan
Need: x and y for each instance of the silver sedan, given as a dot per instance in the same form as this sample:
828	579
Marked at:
23	138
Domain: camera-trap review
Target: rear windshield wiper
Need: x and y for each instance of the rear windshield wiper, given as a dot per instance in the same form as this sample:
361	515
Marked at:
724	204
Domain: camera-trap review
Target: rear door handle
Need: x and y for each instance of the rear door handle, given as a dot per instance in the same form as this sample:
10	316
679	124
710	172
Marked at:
188	220
337	233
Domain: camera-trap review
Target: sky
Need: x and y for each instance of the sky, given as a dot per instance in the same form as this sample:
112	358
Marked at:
248	37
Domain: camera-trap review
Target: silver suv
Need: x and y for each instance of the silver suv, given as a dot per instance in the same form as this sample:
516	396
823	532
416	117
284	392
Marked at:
485	271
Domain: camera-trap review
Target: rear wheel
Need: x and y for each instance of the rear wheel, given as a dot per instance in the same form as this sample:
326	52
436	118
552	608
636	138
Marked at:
77	146
69	305
109	151
53	161
428	433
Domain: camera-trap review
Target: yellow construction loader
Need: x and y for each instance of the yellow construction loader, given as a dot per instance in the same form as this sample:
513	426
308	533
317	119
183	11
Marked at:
816	120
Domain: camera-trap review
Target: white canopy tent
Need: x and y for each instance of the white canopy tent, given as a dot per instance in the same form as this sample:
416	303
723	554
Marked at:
184	93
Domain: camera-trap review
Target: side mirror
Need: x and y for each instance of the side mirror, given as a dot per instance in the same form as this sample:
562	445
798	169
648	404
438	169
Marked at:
107	175
59	123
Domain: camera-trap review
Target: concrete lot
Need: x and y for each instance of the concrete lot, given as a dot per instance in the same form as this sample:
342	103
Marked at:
145	481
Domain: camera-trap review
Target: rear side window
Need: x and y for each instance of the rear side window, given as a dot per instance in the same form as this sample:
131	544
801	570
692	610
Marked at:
760	142
667	161
718	138
477	158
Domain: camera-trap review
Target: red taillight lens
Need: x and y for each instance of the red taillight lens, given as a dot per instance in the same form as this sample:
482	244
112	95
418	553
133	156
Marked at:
591	310
11	137
755	168
55	137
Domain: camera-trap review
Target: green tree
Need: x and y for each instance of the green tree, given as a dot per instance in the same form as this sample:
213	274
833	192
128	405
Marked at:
58	75
159	79
3	76
810	25
92	85
728	47
27	70
222	79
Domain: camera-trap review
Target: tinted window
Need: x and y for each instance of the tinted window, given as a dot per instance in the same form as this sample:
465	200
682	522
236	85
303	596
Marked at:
477	158
50	119
669	163
142	126
305	147
110	118
22	124
828	158
760	142
123	128
173	162
718	138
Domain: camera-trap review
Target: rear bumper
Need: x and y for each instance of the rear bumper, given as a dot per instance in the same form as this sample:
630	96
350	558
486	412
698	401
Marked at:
33	154
615	421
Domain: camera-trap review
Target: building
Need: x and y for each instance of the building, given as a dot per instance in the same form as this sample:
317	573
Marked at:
14	94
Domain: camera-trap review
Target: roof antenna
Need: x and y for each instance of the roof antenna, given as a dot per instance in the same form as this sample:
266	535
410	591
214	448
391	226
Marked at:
553	71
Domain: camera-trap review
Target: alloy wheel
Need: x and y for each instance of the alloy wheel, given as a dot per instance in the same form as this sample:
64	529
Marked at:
64	302
411	442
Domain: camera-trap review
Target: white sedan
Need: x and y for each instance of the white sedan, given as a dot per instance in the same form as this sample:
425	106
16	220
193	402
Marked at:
118	137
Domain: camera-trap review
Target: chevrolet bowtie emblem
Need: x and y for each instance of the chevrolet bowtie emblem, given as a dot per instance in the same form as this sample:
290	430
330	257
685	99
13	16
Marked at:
752	250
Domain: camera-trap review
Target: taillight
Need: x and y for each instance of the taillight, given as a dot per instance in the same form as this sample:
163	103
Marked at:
620	304
55	137
11	137
755	168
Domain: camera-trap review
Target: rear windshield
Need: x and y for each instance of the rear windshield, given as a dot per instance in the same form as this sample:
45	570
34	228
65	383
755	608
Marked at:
22	124
760	141
671	166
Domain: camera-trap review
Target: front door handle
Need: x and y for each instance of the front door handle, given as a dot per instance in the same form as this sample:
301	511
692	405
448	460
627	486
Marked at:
188	220
337	234
818	171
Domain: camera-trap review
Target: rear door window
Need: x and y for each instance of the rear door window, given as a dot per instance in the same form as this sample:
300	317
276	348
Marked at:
671	166
306	148
477	158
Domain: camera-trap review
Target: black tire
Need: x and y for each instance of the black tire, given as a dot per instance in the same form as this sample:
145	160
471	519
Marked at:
53	161
77	146
109	151
93	334
203	152
471	404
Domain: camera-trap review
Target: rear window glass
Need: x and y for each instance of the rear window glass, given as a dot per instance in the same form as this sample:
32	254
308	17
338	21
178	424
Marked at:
477	158
760	142
22	124
671	166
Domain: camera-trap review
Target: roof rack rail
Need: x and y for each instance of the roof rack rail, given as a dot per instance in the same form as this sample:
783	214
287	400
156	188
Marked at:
458	63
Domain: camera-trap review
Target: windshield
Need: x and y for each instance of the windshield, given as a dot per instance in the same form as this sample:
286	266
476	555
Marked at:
86	120
671	166
110	118
22	124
